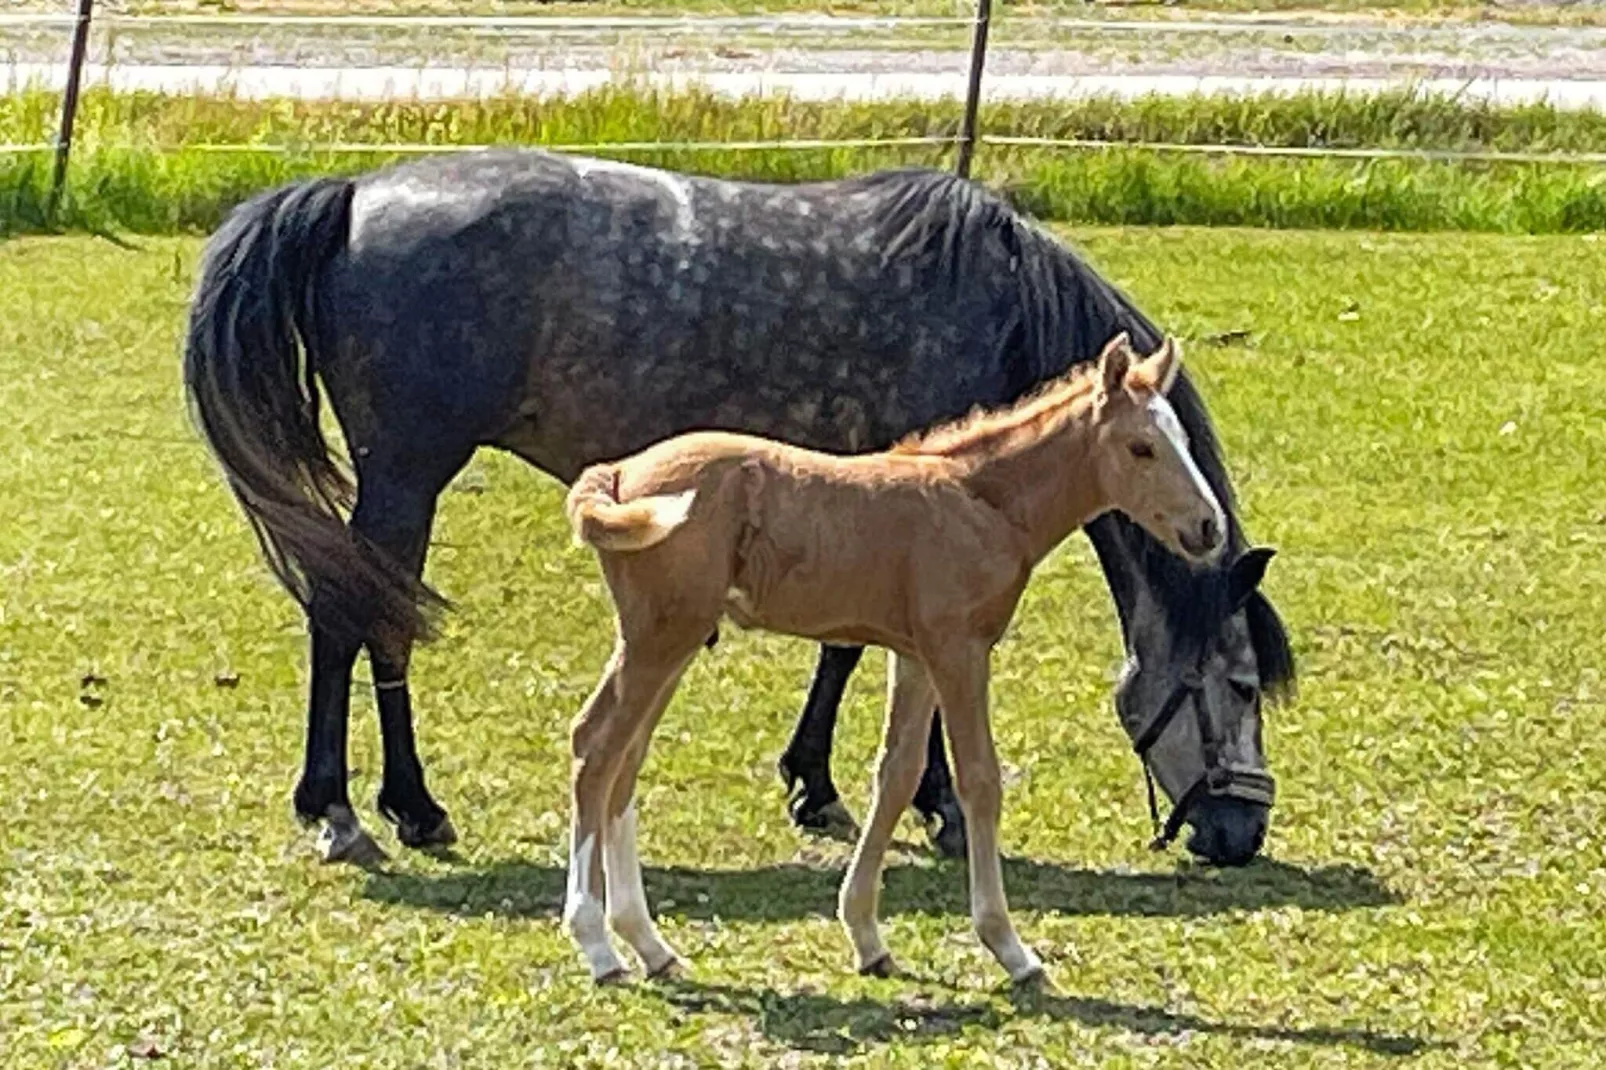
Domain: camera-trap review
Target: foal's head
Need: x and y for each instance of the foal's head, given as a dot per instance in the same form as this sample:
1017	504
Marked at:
1142	459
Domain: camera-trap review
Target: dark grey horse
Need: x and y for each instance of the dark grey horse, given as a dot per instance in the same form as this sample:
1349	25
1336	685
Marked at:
571	310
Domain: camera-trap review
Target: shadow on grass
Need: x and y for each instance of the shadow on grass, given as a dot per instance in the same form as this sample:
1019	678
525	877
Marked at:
790	891
822	1023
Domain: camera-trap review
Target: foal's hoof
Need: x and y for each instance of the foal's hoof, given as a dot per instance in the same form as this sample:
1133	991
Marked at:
416	837
350	844
613	978
881	967
671	969
831	821
1033	980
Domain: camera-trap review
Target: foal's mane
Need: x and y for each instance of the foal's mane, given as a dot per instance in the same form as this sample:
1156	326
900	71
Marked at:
985	430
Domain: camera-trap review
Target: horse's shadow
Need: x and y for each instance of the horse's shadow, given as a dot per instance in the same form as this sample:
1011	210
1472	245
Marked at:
793	891
822	1023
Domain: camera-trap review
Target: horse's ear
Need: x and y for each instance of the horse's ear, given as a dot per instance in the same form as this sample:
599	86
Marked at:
1245	574
1114	363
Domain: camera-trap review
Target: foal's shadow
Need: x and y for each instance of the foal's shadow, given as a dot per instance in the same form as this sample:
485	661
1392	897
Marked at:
792	891
822	1023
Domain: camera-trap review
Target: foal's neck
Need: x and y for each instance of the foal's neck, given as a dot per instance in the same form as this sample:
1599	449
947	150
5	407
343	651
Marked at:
1040	475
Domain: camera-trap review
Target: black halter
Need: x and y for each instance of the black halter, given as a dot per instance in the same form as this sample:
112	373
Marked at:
1218	778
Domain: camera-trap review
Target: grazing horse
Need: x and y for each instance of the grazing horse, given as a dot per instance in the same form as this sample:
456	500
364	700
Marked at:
570	310
924	550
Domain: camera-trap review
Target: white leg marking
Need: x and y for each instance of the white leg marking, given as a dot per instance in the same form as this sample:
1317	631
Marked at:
582	911
627	898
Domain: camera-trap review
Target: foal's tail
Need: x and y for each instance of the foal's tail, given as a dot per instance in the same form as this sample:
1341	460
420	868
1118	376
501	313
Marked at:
599	519
256	338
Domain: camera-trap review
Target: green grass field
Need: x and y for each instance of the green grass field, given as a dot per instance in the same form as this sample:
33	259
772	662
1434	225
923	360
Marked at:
1416	422
138	163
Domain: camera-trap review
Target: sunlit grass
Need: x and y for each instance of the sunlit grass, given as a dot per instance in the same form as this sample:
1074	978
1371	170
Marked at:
1416	422
138	167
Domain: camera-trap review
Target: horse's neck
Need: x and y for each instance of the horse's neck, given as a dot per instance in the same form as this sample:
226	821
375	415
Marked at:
1044	483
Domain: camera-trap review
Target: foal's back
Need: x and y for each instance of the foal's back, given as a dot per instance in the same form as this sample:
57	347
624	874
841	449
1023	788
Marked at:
861	549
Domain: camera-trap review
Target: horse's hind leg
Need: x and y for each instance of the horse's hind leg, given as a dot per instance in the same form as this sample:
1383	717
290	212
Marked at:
395	510
909	696
321	794
935	799
805	765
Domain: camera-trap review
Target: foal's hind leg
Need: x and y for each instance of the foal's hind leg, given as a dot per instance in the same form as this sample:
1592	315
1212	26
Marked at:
909	696
636	685
805	765
628	913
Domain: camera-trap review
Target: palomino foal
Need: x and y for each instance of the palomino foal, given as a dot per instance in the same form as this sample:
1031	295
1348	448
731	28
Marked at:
924	550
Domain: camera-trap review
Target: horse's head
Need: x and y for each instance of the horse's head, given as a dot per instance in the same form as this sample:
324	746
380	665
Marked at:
1191	700
1141	453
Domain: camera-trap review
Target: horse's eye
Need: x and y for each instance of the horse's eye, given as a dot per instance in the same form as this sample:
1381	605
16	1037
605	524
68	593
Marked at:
1242	690
1142	451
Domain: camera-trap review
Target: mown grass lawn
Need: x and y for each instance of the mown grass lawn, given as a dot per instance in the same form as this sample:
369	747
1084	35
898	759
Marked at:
1416	422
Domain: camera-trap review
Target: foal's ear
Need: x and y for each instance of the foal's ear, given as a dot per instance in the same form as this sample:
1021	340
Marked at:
1246	573
1159	369
1114	363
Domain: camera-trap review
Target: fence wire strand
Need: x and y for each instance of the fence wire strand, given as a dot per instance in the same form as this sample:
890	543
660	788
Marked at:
403	148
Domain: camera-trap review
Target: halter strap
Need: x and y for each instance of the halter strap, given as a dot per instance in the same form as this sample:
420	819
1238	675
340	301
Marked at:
1213	780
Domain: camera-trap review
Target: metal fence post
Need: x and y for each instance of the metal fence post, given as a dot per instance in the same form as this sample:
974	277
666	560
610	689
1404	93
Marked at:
978	60
69	104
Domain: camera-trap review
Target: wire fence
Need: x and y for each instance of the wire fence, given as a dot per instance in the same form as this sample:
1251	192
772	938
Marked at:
965	140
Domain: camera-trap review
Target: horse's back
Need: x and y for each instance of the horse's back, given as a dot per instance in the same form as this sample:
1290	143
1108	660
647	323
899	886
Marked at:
576	309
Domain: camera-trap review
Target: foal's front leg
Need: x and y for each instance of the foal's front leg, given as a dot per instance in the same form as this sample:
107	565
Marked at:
909	701
962	686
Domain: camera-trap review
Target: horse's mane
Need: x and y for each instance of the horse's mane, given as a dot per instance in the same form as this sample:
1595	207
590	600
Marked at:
1061	314
984	429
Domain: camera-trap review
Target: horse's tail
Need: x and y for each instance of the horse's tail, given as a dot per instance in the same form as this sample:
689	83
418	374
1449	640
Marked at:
256	337
599	519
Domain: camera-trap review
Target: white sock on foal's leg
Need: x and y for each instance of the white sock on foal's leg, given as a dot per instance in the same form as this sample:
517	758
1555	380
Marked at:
583	910
627	898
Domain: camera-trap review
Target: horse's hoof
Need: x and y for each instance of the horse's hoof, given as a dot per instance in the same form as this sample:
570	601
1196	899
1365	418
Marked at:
947	835
351	845
881	967
442	835
831	821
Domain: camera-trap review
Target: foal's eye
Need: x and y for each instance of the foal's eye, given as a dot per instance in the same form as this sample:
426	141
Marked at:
1142	451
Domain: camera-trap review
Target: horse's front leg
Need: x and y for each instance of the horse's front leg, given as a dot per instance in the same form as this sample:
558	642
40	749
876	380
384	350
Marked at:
935	800
805	765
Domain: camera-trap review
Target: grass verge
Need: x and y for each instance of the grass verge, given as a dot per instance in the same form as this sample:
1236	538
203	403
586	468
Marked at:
138	165
1412	420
